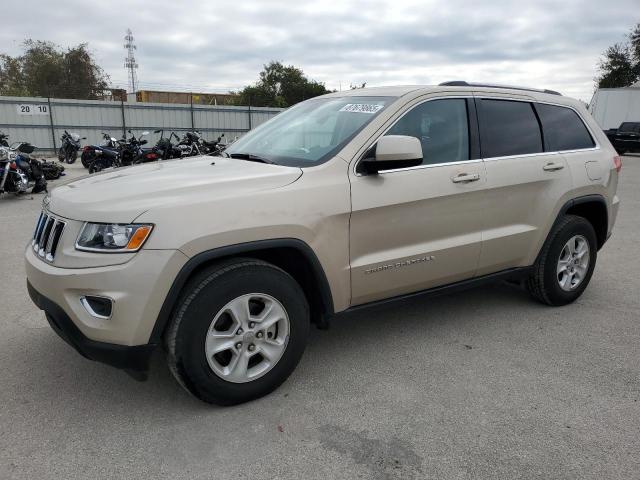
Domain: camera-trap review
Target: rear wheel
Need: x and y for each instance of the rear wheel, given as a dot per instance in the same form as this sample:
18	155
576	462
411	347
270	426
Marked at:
565	265
239	331
98	165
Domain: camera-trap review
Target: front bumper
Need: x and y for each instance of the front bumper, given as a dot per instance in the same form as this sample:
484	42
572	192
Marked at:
133	359
137	289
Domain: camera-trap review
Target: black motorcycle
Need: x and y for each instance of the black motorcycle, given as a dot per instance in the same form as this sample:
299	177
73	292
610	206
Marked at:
130	152
214	148
108	148
68	151
19	172
164	149
190	145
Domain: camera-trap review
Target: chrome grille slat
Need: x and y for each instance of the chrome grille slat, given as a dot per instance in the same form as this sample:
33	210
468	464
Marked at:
47	236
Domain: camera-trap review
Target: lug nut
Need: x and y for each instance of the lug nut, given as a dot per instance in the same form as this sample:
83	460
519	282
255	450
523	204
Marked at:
259	334
239	345
240	331
252	347
252	324
269	334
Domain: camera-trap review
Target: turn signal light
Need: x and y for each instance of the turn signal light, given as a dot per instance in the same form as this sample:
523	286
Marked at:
617	162
139	237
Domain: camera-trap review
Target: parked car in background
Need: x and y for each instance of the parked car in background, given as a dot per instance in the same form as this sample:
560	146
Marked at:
625	138
341	202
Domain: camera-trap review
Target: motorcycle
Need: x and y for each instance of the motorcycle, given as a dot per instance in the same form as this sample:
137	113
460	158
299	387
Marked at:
129	153
214	148
108	148
68	151
190	145
19	172
164	149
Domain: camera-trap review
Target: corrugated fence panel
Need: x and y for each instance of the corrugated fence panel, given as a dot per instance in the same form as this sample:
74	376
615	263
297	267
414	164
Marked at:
29	119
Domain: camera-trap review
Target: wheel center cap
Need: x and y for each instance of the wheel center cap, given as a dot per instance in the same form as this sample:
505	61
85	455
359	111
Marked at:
249	336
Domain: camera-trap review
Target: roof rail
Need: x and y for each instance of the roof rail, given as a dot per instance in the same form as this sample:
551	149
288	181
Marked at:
462	83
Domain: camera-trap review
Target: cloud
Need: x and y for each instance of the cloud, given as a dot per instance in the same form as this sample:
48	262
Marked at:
216	46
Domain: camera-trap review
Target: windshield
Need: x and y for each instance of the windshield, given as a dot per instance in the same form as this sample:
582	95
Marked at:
311	132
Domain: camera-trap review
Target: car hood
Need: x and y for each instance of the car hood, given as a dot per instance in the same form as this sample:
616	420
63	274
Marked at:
122	194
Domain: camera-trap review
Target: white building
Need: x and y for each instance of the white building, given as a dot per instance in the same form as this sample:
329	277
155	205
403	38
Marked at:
612	106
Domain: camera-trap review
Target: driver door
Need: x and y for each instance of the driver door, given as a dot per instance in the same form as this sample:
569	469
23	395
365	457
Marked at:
420	227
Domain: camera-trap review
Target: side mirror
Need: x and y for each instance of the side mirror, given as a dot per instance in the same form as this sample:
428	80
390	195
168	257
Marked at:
390	152
146	132
157	131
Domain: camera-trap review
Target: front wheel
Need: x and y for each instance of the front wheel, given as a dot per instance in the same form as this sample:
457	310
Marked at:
239	331
71	156
61	154
565	264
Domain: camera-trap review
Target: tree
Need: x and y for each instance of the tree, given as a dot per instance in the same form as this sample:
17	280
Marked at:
280	86
45	69
620	66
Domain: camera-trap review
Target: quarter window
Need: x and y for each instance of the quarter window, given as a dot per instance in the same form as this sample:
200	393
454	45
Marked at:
441	126
563	129
509	128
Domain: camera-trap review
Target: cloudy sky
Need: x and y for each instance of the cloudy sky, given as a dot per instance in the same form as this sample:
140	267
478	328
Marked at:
217	46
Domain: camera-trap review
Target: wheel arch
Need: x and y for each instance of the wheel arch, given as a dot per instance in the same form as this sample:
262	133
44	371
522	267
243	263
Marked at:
592	208
292	255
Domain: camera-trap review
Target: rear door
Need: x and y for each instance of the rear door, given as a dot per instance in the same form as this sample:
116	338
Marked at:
524	183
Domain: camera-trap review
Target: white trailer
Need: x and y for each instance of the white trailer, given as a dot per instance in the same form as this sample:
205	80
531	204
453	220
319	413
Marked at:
612	106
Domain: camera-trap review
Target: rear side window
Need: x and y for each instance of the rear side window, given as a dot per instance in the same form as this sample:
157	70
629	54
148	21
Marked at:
509	128
563	129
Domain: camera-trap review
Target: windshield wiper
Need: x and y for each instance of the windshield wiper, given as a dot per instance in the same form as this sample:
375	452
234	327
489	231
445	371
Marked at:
251	157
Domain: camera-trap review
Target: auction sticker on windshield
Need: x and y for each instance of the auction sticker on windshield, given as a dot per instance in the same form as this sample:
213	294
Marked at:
362	107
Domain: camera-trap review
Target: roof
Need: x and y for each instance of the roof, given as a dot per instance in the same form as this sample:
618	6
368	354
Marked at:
399	91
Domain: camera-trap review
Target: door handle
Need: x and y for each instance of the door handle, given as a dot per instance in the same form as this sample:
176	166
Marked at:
552	167
466	178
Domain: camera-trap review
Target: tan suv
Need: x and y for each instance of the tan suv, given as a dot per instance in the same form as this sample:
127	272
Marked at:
341	202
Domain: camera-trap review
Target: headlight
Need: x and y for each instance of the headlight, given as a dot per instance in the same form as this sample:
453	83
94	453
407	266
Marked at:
112	237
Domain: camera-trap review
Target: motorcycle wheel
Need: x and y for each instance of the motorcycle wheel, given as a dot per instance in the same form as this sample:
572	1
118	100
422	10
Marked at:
72	156
61	155
87	159
97	166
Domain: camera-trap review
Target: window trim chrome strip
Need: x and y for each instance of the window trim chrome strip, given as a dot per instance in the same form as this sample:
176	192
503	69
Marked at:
484	95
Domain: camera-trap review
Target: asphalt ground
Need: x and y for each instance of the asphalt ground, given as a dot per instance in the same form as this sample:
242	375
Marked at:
480	384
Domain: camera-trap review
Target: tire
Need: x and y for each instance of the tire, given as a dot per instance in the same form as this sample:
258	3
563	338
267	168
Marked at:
87	159
551	282
97	165
205	301
61	154
71	156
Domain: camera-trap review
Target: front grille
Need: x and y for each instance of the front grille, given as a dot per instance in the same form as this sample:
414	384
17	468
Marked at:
47	236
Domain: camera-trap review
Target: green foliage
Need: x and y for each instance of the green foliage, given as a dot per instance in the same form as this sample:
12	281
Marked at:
45	69
280	86
620	65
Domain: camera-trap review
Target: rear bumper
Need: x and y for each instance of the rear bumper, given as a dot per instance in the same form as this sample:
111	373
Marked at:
133	359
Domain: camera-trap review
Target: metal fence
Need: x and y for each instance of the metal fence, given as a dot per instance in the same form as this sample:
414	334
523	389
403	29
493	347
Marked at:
41	121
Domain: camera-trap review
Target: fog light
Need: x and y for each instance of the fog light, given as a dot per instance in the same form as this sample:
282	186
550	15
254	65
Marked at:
99	307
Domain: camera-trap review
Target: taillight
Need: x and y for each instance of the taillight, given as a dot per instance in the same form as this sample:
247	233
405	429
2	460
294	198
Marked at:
617	162
13	166
152	156
86	148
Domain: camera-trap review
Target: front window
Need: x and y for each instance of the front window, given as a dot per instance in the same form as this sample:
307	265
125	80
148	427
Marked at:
311	132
